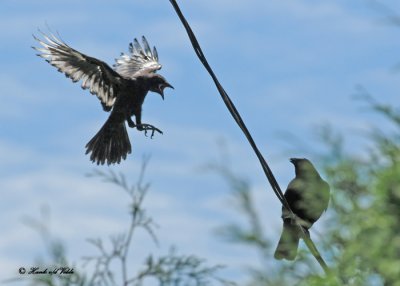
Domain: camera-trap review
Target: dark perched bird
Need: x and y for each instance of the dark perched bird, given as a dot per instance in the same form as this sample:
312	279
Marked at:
121	90
308	197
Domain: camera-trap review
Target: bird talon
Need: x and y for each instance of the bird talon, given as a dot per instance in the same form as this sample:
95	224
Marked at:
148	127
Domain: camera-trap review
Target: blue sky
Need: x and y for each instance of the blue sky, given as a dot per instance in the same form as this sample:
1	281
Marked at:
289	66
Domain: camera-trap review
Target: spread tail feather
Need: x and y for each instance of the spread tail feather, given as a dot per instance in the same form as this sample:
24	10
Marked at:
110	145
289	242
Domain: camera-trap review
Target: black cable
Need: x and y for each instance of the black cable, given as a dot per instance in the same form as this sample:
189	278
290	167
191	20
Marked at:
236	115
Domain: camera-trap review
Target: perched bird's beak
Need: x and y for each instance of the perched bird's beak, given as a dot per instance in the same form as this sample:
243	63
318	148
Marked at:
162	87
294	160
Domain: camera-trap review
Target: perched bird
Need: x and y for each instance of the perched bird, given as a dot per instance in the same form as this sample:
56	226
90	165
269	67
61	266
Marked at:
121	90
308	197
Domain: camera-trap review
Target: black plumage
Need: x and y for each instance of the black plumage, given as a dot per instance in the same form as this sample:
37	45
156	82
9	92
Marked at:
121	90
308	197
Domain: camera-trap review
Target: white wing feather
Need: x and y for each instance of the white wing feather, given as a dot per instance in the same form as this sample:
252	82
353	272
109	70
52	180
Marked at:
141	60
96	75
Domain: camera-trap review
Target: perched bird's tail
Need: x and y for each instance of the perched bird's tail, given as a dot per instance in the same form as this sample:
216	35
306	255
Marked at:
289	241
110	144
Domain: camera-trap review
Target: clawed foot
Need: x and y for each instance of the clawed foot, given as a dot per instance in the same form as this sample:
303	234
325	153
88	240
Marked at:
148	127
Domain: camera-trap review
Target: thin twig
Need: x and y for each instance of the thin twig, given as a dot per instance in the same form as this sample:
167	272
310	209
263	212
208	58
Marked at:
236	116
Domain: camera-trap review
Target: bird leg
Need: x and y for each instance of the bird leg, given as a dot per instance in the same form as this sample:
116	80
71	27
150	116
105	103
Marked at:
143	127
131	124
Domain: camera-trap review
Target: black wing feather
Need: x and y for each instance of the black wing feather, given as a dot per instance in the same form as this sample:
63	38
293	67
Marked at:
95	75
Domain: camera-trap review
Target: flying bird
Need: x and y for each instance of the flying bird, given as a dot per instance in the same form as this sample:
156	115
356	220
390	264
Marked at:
121	90
308	197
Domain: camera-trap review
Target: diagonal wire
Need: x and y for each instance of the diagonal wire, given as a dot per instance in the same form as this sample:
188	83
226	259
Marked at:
236	116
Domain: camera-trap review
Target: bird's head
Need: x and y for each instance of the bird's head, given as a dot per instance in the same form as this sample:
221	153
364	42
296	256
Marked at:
158	83
297	161
303	166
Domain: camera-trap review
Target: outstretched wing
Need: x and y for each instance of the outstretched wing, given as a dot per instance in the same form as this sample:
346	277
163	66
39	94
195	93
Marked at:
141	60
96	75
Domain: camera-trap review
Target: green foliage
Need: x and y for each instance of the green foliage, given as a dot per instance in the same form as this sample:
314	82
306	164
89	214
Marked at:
179	270
361	238
55	257
364	231
170	269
